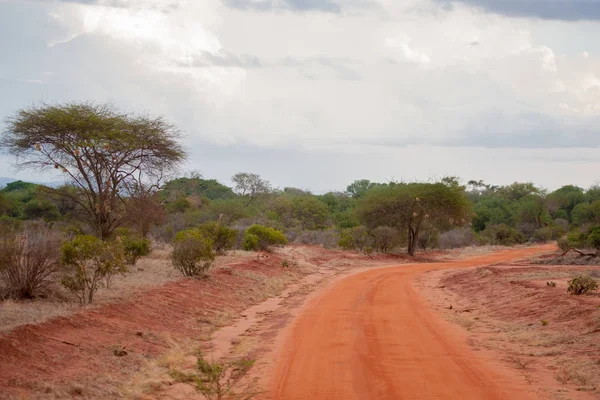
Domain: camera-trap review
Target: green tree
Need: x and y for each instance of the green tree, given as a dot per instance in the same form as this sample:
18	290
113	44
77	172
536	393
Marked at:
517	190
99	149
595	208
582	214
532	209
407	206
196	186
565	199
310	212
359	188
493	210
250	186
593	193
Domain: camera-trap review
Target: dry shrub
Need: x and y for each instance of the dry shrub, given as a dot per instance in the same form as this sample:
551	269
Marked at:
385	238
542	235
582	285
356	238
29	259
219	380
327	238
456	238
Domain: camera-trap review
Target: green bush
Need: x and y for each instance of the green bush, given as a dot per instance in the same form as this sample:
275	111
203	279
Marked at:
250	242
502	235
593	237
582	285
91	264
178	206
193	252
542	235
134	244
558	232
356	238
135	247
260	237
577	238
223	238
563	243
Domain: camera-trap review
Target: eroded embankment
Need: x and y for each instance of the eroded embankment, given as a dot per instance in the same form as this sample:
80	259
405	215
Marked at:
551	338
94	353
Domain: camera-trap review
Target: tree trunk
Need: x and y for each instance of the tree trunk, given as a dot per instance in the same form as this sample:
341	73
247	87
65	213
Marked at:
412	241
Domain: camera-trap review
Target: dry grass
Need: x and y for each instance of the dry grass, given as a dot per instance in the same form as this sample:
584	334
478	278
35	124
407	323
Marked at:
528	322
17	313
467	252
518	362
151	271
466	322
242	346
154	373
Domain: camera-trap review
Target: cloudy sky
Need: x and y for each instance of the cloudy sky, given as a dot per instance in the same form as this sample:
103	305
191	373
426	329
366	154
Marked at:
317	93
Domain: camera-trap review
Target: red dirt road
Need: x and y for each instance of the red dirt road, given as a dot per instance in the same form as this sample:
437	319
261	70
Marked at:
372	336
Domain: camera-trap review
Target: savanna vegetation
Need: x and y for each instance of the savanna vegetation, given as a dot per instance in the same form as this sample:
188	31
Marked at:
122	193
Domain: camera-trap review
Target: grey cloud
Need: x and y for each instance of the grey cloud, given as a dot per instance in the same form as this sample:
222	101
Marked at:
294	5
222	59
165	7
568	10
495	129
337	65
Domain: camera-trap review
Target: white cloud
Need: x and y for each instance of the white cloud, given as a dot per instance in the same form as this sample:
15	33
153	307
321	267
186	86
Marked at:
397	73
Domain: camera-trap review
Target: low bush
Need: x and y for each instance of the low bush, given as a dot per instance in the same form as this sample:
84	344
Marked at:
134	245
385	238
558	232
593	237
193	252
582	285
456	238
91	263
428	237
220	380
260	237
542	235
577	238
563	243
356	238
223	238
29	259
502	235
326	238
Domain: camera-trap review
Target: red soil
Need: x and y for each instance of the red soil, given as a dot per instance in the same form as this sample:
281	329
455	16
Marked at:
551	337
74	355
371	336
78	349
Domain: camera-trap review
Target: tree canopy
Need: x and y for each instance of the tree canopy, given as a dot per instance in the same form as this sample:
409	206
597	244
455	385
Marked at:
412	206
102	152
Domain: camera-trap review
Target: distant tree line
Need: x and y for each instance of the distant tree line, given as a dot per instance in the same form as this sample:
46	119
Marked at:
122	187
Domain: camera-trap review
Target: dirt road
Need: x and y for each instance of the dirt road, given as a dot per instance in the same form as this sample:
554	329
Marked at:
371	336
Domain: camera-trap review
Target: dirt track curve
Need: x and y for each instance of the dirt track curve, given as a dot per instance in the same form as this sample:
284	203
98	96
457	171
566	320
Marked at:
372	336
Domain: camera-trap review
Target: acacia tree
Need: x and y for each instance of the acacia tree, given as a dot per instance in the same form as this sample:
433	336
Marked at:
250	186
100	150
409	206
